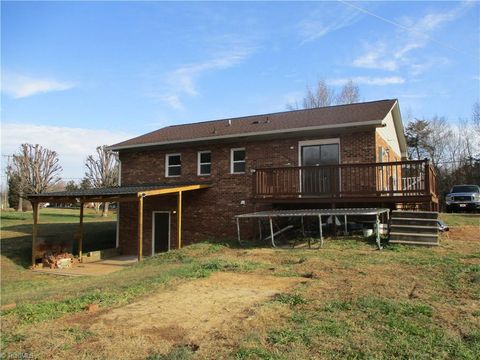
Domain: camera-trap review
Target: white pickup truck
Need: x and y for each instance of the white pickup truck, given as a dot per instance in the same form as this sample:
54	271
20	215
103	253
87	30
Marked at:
463	198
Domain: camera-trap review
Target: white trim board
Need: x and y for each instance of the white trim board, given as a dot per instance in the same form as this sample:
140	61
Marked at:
169	229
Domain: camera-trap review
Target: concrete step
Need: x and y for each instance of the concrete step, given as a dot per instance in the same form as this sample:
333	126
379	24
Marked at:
420	243
415	229
415	214
413	221
410	237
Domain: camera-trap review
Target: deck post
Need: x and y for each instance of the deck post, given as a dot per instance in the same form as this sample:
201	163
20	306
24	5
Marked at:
80	234
179	219
427	177
140	227
35	206
320	227
271	231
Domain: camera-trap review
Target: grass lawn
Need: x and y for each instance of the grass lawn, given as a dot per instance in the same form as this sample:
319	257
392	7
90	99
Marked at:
219	301
58	224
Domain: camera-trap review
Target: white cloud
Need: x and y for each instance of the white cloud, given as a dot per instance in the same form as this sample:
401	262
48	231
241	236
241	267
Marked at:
72	144
368	80
326	19
374	58
412	34
20	86
182	81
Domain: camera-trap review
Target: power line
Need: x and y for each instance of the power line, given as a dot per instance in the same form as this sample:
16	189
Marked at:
394	23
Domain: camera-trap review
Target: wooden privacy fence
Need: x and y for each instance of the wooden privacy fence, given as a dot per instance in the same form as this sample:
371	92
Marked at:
399	178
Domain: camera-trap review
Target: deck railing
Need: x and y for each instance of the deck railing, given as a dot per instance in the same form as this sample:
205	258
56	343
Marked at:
399	178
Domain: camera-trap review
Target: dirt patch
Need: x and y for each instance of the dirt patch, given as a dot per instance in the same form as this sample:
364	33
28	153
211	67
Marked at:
463	239
194	309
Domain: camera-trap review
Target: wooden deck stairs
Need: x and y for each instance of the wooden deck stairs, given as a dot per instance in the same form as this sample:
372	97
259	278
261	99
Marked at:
414	228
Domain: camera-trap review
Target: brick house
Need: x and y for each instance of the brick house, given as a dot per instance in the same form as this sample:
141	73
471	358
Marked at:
338	156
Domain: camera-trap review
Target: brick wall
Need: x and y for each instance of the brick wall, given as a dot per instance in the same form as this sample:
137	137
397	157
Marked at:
208	213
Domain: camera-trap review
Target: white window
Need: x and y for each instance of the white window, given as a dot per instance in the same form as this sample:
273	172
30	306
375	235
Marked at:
173	165
204	161
237	161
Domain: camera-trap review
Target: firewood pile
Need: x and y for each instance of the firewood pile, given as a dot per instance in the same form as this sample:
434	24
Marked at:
60	260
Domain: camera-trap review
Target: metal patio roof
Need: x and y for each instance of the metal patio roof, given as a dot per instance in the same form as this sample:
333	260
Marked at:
314	212
117	193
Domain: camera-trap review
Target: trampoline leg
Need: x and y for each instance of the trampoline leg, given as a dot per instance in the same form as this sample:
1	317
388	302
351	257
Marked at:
303	227
238	231
320	227
346	228
271	232
377	225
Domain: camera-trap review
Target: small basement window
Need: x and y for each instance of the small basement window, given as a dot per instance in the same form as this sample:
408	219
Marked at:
173	165
204	163
237	163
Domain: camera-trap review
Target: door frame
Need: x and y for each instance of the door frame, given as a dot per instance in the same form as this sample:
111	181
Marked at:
328	141
153	228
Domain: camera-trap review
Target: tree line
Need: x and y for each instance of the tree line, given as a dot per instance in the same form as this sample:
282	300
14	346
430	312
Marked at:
452	147
35	169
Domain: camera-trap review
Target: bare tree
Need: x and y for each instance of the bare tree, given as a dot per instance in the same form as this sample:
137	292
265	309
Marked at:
350	93
324	95
476	117
102	171
36	168
436	143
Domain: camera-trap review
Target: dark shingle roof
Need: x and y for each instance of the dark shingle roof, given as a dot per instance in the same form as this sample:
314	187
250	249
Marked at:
112	191
283	121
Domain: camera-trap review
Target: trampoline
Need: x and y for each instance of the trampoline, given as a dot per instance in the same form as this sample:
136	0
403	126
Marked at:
317	213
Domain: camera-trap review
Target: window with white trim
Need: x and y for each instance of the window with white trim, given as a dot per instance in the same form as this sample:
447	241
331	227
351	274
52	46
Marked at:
173	165
204	160
237	161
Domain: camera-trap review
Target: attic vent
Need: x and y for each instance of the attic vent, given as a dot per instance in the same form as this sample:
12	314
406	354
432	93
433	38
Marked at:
229	123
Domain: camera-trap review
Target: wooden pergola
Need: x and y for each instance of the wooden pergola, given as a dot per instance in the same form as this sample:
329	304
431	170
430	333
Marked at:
114	194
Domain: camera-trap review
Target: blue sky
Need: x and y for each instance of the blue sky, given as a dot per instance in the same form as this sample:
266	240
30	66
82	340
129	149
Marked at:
80	74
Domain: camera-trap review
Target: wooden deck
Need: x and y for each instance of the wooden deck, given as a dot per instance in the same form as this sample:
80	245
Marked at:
400	182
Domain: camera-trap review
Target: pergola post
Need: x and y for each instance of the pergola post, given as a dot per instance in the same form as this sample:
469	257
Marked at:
140	227
179	219
35	206
80	234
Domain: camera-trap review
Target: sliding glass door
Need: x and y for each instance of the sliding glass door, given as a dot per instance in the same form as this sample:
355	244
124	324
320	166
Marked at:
317	179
